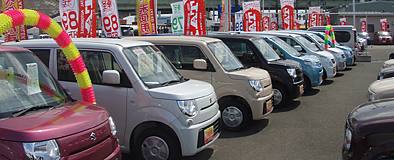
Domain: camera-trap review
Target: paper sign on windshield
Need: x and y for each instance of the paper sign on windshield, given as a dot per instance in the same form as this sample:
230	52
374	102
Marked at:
33	85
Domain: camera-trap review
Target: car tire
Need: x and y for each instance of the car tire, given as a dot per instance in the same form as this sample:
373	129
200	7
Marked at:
156	142
235	115
307	83
324	74
281	97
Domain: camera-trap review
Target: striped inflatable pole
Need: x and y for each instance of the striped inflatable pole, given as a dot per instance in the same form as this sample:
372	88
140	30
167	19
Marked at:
329	32
19	17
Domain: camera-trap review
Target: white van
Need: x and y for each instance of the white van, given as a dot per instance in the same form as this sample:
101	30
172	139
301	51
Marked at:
303	46
150	102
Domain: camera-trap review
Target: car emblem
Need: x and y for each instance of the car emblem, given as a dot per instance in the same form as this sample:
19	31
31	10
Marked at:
93	136
210	100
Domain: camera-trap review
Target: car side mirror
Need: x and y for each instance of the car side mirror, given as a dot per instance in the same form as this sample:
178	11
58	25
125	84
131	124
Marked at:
298	48
111	77
200	64
248	57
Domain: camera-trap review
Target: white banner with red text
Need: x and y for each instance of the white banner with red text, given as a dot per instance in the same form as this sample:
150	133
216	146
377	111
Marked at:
17	32
109	18
363	24
383	24
87	19
342	21
274	23
266	22
252	16
287	11
69	10
314	16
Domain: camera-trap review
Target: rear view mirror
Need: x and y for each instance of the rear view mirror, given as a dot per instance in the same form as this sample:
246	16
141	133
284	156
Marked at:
248	57
111	77
298	48
200	64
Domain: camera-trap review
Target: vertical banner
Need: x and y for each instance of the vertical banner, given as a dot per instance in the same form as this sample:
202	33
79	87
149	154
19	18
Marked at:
239	21
144	19
314	16
153	17
363	24
328	18
110	18
321	21
177	20
252	16
87	27
266	22
194	17
287	10
297	25
383	24
342	21
69	12
274	23
17	32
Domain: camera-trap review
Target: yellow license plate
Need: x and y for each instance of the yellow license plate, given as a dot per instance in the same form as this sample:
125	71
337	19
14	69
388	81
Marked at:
335	69
301	89
352	60
208	134
344	64
269	105
320	80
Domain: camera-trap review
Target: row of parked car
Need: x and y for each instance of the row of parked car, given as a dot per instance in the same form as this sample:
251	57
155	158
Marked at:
169	96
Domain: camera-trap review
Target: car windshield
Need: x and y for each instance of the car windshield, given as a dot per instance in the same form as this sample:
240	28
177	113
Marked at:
268	53
384	34
26	83
363	34
307	43
152	66
317	38
287	48
225	57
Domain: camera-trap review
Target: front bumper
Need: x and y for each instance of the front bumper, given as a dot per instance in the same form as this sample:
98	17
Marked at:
315	75
261	106
350	60
341	63
296	90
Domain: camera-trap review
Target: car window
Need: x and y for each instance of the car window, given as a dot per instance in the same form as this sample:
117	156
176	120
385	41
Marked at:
342	36
43	54
96	62
239	48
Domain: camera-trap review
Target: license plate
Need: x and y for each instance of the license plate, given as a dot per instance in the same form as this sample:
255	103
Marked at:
269	105
301	89
335	69
384	41
352	60
344	64
208	134
320	80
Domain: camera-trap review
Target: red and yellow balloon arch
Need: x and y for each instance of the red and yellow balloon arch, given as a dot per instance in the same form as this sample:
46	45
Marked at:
19	17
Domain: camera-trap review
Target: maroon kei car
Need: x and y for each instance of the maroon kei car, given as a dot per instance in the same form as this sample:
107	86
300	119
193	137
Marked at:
39	120
382	37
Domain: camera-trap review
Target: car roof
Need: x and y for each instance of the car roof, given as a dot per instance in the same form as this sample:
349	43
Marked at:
276	33
4	48
78	41
186	39
234	36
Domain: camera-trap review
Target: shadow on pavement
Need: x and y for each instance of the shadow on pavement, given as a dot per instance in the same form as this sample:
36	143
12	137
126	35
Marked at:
204	154
290	106
327	82
252	128
311	92
348	69
339	75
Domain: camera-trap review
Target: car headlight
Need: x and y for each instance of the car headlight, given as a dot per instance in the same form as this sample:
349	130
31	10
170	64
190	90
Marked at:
45	150
326	60
380	37
188	107
371	97
112	125
309	62
292	72
256	85
348	139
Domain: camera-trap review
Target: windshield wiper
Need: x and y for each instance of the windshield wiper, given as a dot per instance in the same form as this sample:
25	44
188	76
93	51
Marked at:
168	82
24	111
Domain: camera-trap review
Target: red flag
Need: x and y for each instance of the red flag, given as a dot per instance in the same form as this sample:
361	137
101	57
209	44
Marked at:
314	16
194	17
87	27
252	16
153	16
17	32
274	24
266	22
363	25
328	18
343	21
287	14
383	24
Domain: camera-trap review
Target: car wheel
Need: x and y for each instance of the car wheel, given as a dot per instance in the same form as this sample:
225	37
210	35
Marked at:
280	96
324	74
155	143
307	83
235	115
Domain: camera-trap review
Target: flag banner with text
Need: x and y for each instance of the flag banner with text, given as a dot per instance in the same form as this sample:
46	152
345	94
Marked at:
287	10
194	17
328	18
383	24
146	17
297	25
239	21
252	16
363	24
69	10
17	32
87	27
266	22
342	21
110	18
314	16
274	23
177	17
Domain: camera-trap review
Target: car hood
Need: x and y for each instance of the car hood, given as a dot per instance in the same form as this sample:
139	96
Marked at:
249	74
383	88
336	50
326	54
60	122
344	47
288	63
388	62
190	89
375	116
387	70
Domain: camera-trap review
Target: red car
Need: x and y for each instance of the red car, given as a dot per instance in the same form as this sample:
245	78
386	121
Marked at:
39	120
382	37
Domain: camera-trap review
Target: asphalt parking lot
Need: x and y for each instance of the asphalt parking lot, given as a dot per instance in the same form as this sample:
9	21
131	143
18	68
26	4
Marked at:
311	127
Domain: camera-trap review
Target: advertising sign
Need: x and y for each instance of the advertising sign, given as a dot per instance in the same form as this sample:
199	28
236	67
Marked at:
18	32
88	19
69	12
110	18
287	10
239	21
252	16
314	16
266	22
274	24
194	17
328	18
342	21
177	17
383	24
363	25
